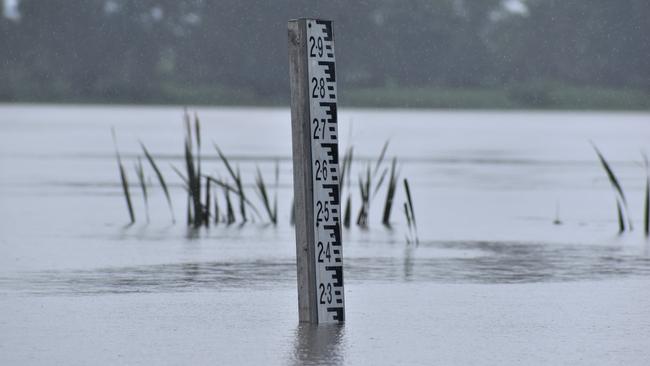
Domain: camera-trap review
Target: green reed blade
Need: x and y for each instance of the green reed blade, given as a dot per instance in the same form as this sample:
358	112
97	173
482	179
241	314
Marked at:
380	182
216	210
229	210
621	222
161	179
390	193
180	175
381	157
194	183
412	211
348	212
206	218
408	216
123	178
242	196
614	181
261	187
646	206
139	172
410	201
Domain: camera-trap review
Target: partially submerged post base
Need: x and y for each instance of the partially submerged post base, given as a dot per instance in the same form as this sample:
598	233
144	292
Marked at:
314	128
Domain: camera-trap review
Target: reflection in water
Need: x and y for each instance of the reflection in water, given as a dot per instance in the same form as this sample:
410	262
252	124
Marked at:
318	345
438	262
408	262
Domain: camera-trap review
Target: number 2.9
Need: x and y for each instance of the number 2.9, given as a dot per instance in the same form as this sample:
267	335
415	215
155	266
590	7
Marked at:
316	43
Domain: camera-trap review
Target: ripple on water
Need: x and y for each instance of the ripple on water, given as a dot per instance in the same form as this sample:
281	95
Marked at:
436	262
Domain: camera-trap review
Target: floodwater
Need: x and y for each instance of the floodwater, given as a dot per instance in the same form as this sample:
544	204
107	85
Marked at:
493	280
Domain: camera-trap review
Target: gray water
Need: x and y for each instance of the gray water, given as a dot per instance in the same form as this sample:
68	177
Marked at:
492	281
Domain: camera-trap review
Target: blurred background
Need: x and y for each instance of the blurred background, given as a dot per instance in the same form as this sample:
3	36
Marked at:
439	53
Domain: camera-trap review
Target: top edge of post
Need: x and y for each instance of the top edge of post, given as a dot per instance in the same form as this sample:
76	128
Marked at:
314	19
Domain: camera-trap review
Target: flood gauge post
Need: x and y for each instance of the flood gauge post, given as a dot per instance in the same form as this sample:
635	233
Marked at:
317	204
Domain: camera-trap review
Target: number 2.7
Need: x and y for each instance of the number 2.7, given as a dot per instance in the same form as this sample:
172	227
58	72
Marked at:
319	127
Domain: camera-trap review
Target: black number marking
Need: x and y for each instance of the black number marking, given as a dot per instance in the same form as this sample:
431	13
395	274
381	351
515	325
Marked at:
324	249
318	127
325	295
321	169
324	210
318	91
315	123
318	44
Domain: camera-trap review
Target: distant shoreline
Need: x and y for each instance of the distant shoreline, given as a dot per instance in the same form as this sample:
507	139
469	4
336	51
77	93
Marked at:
528	97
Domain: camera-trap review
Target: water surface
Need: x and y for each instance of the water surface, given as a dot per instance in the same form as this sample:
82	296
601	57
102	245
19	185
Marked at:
493	280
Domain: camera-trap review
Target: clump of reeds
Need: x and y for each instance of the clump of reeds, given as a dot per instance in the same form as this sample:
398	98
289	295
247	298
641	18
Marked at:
203	201
365	187
621	202
123	178
364	190
346	167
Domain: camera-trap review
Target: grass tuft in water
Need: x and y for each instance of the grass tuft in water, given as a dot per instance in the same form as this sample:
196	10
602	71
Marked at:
620	195
364	189
123	177
346	166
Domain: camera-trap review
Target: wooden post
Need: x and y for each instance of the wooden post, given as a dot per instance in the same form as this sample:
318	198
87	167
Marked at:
314	127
